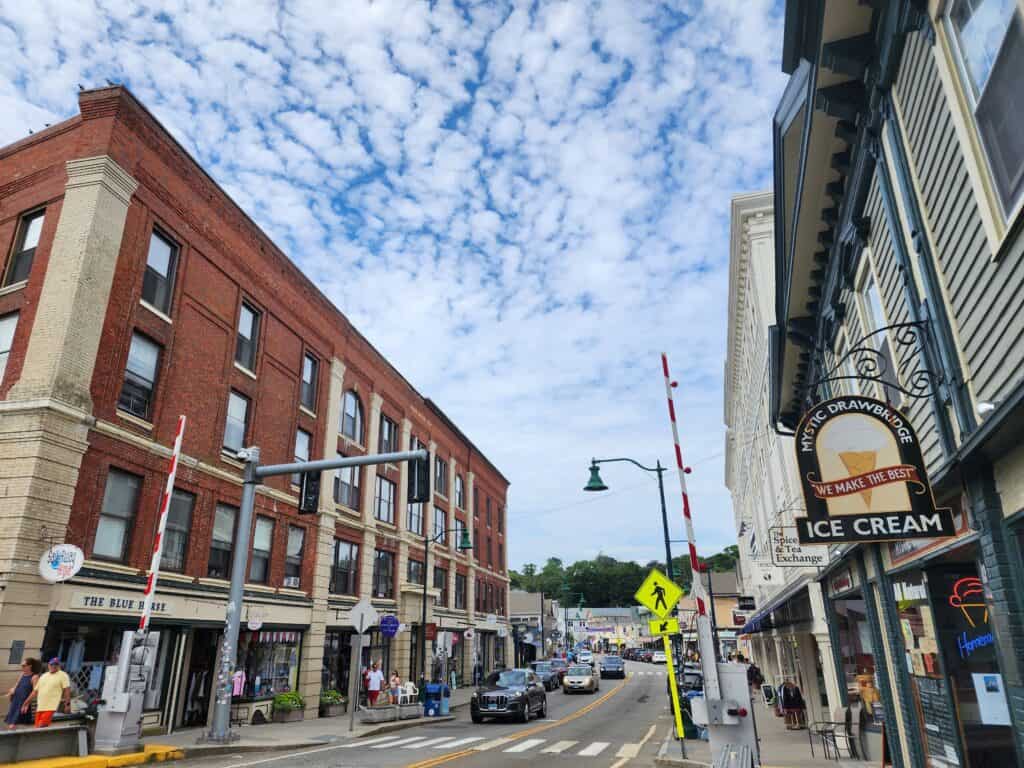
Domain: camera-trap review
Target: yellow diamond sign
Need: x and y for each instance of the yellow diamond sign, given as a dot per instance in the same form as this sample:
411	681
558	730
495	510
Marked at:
663	627
658	594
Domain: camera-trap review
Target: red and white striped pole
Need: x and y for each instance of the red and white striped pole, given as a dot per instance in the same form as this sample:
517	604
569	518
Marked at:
158	545
705	641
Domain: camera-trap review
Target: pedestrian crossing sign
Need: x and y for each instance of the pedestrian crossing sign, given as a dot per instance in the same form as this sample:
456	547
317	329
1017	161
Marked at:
663	627
658	594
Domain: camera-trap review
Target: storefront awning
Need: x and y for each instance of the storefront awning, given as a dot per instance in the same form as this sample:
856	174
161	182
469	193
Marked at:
762	620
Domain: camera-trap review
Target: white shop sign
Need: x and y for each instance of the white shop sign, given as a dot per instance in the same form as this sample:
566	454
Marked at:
98	601
788	552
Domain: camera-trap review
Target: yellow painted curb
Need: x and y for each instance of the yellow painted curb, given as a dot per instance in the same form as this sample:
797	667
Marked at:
153	753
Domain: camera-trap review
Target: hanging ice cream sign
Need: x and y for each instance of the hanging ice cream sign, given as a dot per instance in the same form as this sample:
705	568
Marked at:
863	476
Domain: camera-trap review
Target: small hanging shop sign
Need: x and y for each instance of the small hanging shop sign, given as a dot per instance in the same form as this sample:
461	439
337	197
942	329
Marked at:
863	475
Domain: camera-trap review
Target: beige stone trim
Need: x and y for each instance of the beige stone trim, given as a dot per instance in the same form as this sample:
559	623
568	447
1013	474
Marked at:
13	287
101	171
150	308
142	423
245	371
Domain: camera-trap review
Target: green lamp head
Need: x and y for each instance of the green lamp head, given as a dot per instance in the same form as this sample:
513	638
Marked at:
464	542
595	483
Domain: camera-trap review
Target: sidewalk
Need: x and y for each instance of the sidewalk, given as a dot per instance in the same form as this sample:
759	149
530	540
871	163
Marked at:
779	748
314	732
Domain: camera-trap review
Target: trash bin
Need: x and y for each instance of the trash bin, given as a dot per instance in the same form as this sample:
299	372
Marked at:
446	699
432	700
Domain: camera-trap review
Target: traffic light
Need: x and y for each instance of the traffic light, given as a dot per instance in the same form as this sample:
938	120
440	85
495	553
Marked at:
419	481
309	493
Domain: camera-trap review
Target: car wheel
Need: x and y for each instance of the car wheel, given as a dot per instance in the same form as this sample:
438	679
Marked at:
476	718
524	716
543	712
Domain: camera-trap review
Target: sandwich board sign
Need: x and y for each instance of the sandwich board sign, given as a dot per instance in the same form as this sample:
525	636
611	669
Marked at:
863	475
658	594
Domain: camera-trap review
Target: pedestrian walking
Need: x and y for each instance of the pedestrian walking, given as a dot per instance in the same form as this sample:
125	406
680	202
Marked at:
52	691
374	683
30	669
396	686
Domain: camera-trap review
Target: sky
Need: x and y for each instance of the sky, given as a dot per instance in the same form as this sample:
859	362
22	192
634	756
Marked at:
521	205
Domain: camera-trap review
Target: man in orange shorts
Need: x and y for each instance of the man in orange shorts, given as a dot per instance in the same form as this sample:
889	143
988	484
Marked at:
52	690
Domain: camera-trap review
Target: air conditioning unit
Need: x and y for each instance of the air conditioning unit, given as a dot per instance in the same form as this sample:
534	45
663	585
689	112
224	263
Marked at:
291	581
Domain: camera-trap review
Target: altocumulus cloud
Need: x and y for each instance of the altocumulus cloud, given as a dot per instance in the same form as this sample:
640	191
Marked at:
521	204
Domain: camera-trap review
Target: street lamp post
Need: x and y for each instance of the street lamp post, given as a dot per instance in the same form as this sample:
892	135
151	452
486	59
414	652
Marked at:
596	484
463	544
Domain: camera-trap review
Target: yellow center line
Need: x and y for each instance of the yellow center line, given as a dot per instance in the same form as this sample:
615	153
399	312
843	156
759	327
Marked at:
523	734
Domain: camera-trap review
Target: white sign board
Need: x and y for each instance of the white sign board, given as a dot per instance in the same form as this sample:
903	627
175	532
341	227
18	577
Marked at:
788	552
492	619
362	616
101	602
61	562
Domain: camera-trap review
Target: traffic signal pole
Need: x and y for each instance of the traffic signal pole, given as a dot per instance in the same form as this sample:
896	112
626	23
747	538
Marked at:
220	728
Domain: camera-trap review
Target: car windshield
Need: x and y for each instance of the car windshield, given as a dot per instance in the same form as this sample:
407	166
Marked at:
613	660
542	667
507	678
580	671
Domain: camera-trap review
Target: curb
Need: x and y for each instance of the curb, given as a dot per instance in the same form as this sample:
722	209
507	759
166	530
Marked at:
212	750
664	761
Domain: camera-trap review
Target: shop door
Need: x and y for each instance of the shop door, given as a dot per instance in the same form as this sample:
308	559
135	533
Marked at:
198	680
972	669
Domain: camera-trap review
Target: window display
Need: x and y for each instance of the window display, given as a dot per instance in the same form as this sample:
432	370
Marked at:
858	657
268	663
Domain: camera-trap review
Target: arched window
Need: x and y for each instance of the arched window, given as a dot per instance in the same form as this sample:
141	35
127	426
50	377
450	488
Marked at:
352	417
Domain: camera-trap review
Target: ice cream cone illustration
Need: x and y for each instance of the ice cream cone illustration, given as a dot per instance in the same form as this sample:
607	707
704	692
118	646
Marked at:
969	596
859	463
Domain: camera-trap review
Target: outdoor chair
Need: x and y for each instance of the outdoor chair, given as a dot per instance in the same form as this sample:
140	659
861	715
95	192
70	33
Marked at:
836	735
409	694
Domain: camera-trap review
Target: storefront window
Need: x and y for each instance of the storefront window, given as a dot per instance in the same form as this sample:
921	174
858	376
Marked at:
268	663
968	649
337	654
858	657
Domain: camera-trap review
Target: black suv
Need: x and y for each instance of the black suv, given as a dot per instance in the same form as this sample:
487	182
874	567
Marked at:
613	666
510	693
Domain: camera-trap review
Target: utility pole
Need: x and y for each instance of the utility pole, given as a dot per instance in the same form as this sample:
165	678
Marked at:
543	644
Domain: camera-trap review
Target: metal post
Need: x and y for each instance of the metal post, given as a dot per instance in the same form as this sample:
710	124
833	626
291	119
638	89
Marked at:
220	728
427	510
543	643
714	620
664	521
355	660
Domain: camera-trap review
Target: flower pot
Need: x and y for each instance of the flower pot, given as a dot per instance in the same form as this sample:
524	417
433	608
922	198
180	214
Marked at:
410	711
288	715
385	714
333	710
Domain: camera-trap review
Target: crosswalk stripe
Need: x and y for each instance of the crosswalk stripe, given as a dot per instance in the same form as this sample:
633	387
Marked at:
558	747
429	742
399	743
461	742
523	746
493	744
368	742
594	749
629	750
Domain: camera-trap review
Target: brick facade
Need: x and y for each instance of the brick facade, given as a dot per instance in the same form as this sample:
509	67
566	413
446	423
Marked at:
108	179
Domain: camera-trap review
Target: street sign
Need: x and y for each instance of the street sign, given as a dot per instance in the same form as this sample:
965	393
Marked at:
663	627
362	616
389	626
658	594
788	552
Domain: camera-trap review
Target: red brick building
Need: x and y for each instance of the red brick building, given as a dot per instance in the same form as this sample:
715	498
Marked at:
135	290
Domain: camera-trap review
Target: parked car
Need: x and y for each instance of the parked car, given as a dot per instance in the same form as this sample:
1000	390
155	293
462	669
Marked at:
561	666
581	677
646	656
613	666
586	657
658	657
547	673
508	694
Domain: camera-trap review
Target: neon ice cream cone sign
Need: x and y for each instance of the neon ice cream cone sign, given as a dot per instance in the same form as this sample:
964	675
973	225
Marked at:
969	596
863	475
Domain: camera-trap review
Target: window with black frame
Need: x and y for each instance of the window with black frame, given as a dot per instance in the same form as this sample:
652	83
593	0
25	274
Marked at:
384	574
262	542
460	592
8	325
140	374
158	279
117	515
219	564
414	573
385	500
24	253
346	486
440	524
388	442
414	517
352	417
179	523
302	443
310	368
441	583
440	476
989	44
293	557
873	318
236	422
346	567
248	337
